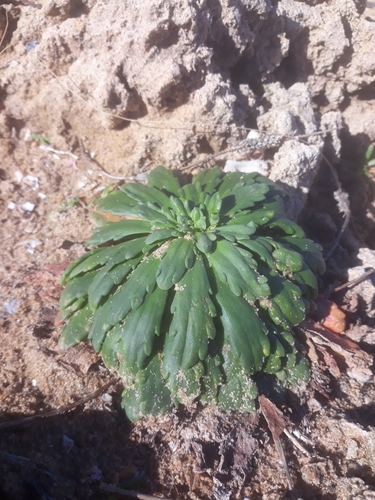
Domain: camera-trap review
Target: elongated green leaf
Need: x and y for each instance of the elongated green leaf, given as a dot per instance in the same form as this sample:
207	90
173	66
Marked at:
257	217
208	179
311	252
232	268
114	254
238	390
146	194
192	325
287	226
76	329
153	214
139	330
160	234
162	178
148	395
307	282
285	305
244	332
185	385
256	246
175	261
66	274
236	231
243	197
189	193
204	242
77	304
287	260
118	203
117	230
178	206
76	288
275	362
229	182
107	277
129	296
213	376
110	347
214	204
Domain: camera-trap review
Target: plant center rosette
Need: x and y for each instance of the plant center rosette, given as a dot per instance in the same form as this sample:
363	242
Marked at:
194	291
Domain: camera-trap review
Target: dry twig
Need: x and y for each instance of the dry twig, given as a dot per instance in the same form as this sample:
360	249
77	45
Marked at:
276	424
354	282
99	169
342	200
61	410
130	493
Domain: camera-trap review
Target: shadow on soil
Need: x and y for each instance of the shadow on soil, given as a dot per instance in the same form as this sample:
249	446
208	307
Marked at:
67	456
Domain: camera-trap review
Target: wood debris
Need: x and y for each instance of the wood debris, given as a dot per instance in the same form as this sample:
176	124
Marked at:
357	361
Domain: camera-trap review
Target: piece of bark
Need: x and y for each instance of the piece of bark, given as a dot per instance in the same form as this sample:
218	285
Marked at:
357	361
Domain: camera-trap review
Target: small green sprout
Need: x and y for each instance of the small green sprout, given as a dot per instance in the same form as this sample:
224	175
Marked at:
195	292
369	160
42	139
66	204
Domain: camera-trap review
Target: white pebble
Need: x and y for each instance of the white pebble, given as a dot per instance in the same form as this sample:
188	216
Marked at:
27	207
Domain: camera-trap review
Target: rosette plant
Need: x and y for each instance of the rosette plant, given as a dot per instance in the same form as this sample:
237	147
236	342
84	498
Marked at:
194	291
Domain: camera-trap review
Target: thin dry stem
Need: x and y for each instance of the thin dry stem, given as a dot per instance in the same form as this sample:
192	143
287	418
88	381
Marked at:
61	410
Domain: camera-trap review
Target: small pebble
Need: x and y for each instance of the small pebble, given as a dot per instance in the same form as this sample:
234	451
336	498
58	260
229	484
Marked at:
27	207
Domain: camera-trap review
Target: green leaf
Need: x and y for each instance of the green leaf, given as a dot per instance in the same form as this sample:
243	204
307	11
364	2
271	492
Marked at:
285	305
148	394
212	378
107	278
236	232
243	330
204	242
153	214
118	203
110	347
175	260
189	193
257	246
208	179
307	282
243	197
257	217
369	152
229	182
112	255
139	330
127	297
214	204
232	268
287	226
200	294
162	178
238	390
177	205
146	194
311	252
117	230
160	234
274	363
66	274
77	288
287	260
192	325
76	329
